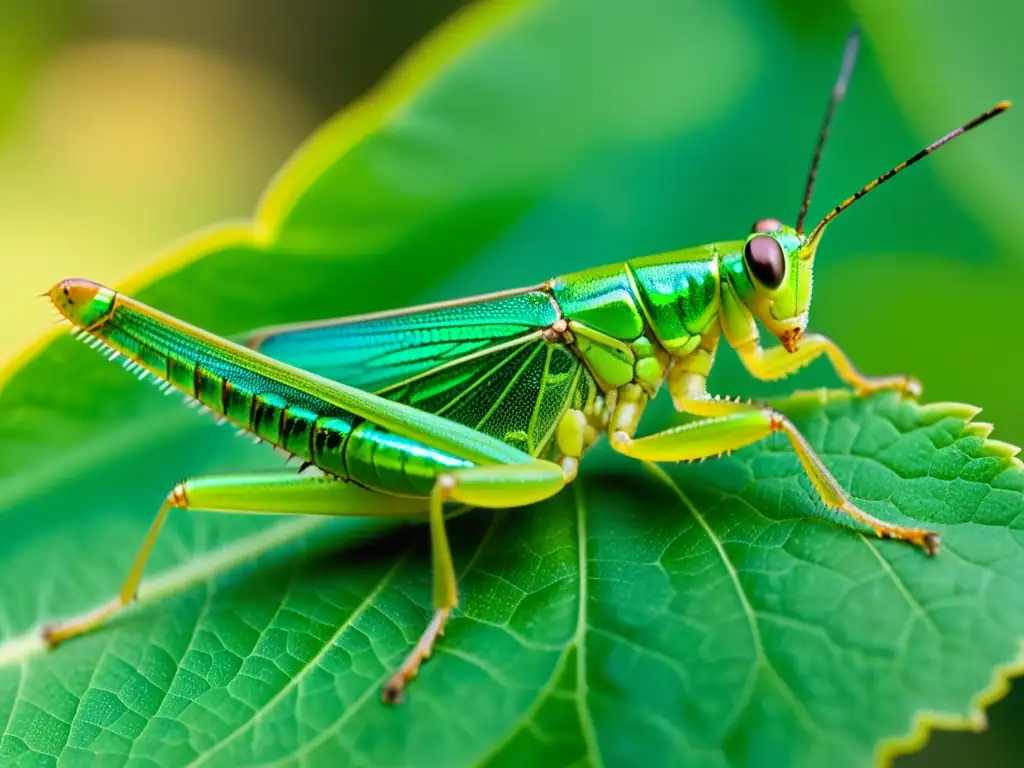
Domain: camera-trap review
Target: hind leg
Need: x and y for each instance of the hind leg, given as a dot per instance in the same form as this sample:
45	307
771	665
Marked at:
266	492
490	487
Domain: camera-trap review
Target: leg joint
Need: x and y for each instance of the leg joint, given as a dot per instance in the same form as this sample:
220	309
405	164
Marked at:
178	497
445	485
620	438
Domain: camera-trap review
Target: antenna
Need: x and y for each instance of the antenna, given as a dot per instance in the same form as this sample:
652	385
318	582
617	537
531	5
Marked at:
1002	106
838	92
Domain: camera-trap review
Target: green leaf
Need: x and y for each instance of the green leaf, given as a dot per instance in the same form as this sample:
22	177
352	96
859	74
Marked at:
709	615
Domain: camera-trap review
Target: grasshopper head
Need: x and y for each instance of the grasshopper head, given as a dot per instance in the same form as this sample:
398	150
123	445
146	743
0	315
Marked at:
777	261
776	278
85	303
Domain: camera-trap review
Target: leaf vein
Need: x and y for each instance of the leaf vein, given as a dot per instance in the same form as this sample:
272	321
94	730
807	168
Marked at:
309	665
582	689
165	692
803	716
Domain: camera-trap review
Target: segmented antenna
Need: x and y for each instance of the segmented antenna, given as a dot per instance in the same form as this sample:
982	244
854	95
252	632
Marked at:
838	92
1002	106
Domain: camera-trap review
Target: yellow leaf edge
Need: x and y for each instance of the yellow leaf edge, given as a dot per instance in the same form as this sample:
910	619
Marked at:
465	29
924	722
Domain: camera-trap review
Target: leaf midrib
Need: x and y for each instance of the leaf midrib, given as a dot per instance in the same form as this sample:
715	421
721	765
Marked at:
544	692
761	661
580	638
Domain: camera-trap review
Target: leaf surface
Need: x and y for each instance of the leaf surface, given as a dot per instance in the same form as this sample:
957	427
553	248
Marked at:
707	614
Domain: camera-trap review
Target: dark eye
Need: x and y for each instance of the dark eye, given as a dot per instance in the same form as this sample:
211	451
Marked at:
766	225
765	260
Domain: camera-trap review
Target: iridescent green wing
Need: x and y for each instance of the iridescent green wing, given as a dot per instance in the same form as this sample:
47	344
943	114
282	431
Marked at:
483	362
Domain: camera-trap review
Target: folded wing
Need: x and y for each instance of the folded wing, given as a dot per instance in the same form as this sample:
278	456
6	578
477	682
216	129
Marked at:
483	362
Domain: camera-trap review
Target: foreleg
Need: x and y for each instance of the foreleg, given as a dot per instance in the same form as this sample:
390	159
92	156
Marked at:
778	362
264	492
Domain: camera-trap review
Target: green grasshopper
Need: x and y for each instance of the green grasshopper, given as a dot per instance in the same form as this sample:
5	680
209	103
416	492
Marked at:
492	401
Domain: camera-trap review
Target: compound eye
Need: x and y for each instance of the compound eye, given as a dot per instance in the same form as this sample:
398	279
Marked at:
766	225
765	260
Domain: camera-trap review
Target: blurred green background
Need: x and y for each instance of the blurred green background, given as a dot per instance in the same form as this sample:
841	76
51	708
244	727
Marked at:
126	125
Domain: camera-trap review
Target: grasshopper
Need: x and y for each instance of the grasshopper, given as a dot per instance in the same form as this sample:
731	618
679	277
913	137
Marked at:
492	401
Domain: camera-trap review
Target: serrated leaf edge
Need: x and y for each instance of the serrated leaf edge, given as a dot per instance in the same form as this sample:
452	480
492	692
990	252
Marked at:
976	721
19	649
927	721
949	410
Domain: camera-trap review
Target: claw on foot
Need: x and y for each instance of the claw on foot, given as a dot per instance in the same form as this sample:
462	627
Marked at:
912	387
394	689
905	385
51	635
929	541
55	634
919	537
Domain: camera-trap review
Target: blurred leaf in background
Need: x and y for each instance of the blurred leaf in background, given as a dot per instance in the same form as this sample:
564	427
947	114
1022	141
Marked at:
150	122
29	33
939	74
